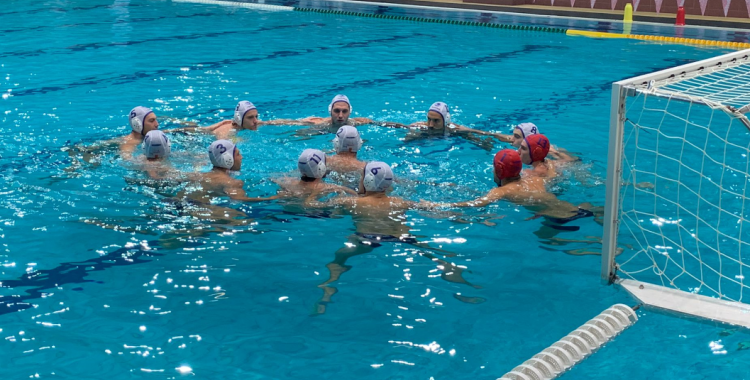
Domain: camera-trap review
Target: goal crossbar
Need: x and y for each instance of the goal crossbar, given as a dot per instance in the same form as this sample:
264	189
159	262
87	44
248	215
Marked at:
687	71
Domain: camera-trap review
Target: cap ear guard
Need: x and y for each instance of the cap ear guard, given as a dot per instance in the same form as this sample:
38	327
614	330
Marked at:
447	117
347	139
538	147
442	109
135	122
242	108
378	176
507	164
156	145
237	116
221	154
312	163
137	117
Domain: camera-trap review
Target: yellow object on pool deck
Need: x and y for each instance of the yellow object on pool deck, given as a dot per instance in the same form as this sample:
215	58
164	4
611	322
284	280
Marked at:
628	13
674	40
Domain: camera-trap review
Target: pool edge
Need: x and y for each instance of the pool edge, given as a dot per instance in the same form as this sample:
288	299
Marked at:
596	14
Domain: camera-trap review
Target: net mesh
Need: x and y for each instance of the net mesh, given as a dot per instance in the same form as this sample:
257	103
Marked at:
684	211
727	84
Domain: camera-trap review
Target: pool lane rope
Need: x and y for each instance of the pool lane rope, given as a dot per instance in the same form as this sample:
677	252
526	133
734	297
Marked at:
576	346
437	21
569	32
531	28
643	37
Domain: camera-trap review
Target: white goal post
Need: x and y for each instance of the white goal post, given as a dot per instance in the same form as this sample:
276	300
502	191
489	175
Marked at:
677	211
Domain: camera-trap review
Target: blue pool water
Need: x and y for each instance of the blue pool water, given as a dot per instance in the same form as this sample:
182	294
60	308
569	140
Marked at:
81	301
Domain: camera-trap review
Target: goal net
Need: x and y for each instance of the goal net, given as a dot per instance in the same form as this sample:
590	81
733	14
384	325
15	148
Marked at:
677	209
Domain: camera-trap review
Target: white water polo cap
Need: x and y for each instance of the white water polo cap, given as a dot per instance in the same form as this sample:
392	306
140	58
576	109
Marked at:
242	108
312	163
156	145
221	153
347	140
138	117
378	176
527	129
339	98
442	109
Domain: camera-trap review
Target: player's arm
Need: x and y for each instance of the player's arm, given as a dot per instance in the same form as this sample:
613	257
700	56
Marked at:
361	120
214	127
127	148
499	136
193	127
184	125
367	120
286	122
313	200
485	143
388	124
503	137
90	153
236	192
561	155
337	189
493	196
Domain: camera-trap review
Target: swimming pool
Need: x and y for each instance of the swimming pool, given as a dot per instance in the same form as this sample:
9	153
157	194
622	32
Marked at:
81	301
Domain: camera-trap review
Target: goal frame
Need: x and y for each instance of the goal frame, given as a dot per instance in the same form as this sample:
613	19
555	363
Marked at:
620	92
653	295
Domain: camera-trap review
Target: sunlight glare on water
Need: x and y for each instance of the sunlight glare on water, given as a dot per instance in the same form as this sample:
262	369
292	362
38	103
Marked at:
107	273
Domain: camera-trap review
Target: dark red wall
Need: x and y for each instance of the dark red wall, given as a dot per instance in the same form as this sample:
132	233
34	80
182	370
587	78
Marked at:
736	8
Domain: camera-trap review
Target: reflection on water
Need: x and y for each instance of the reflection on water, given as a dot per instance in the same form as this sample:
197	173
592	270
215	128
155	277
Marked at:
179	222
447	268
74	273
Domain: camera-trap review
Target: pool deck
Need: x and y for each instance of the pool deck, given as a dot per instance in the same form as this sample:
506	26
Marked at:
662	18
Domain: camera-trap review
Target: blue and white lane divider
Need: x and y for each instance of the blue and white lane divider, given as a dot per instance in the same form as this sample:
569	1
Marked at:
576	346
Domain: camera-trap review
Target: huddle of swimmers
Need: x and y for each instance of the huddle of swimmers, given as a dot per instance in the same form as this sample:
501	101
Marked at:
313	165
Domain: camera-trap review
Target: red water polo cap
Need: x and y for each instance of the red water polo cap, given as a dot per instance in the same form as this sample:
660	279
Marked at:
538	147
507	164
